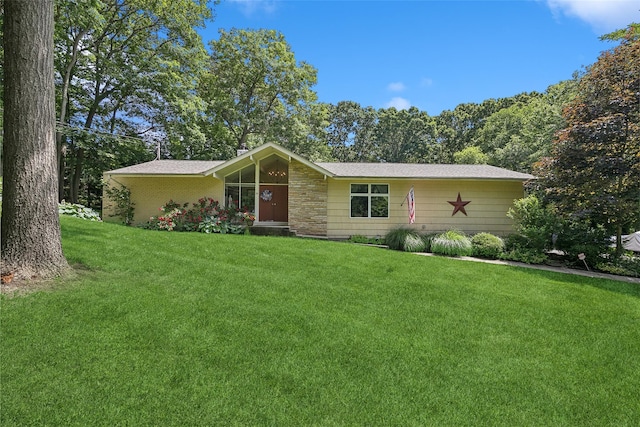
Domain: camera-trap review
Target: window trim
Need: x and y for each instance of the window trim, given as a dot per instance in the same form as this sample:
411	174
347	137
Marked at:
369	195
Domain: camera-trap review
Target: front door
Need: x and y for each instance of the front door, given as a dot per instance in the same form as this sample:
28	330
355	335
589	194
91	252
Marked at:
274	204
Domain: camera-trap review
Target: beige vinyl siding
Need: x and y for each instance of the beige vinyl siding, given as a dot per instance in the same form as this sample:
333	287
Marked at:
150	193
490	201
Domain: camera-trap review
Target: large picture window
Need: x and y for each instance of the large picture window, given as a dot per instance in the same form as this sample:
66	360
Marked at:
239	189
369	200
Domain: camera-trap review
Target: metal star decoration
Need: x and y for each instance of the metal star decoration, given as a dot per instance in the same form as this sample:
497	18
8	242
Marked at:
458	205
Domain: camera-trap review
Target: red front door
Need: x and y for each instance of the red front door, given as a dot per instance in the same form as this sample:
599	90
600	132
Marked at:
274	204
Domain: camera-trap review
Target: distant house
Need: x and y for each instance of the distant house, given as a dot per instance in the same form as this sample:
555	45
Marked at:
334	200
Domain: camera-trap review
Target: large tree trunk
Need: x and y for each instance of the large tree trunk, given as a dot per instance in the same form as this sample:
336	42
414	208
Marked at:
31	244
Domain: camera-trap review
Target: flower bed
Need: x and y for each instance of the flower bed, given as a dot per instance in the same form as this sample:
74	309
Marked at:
205	216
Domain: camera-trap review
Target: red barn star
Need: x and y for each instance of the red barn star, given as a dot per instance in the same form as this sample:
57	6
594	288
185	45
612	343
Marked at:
458	206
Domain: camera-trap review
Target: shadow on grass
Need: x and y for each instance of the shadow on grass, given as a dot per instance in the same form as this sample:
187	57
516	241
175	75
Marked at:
617	286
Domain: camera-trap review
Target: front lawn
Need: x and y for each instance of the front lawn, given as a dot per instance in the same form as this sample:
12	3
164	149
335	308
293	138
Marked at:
191	329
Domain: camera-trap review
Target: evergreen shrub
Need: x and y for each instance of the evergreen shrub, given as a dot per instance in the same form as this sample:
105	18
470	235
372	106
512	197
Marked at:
486	245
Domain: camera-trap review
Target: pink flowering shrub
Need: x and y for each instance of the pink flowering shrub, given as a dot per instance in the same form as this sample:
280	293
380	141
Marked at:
206	216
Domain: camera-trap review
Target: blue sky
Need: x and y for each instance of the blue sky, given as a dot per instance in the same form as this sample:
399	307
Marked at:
430	54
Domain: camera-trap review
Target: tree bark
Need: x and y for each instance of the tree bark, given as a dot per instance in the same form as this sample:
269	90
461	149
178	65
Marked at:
31	245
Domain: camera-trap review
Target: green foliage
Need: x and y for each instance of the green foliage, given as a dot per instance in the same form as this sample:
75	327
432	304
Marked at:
520	135
124	207
594	170
205	216
516	251
258	92
401	136
451	243
487	245
349	132
534	223
78	211
404	239
124	68
626	265
579	237
632	32
427	238
472	155
413	243
540	228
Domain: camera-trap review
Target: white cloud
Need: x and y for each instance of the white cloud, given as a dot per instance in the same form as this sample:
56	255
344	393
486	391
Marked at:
426	82
602	15
399	103
396	87
251	7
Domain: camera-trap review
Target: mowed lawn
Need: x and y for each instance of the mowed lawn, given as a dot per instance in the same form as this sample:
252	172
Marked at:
189	329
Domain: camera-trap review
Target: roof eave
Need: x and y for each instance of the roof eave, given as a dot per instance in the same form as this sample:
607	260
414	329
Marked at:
157	175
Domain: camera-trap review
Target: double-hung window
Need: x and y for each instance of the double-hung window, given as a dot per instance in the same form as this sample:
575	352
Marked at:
369	200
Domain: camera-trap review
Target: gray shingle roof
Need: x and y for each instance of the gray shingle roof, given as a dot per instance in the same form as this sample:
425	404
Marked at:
339	170
169	167
426	171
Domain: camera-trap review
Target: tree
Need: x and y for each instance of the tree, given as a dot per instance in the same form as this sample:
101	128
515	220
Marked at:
350	131
258	92
518	136
31	243
471	156
125	67
594	170
459	129
401	136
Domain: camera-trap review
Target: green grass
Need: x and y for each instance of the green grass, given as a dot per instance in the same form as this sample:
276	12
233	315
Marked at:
192	329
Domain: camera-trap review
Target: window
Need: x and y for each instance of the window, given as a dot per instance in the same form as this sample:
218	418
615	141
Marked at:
369	200
240	188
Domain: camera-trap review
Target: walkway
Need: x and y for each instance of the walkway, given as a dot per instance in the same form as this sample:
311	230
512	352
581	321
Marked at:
565	270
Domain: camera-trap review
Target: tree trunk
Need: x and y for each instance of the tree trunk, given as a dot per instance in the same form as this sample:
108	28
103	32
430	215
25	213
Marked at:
76	177
61	149
619	247
31	244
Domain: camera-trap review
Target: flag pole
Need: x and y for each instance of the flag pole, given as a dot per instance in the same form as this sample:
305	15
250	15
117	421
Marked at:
406	196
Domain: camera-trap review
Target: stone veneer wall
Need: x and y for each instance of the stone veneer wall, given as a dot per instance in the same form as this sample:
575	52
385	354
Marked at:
307	200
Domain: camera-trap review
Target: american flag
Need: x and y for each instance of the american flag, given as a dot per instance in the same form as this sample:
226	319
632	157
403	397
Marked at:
411	205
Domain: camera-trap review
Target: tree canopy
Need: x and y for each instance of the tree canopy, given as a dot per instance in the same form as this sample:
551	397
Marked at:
594	169
124	67
256	91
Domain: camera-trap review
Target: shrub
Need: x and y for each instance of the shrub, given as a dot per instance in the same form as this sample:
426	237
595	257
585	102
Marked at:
413	242
404	239
487	245
124	208
579	237
626	265
517	249
206	216
535	223
451	243
528	256
427	238
78	211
